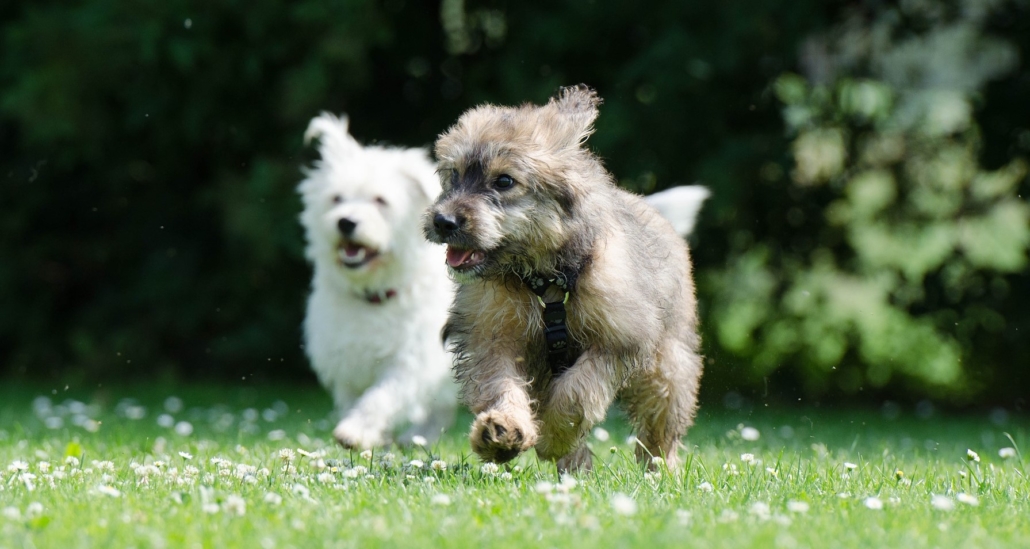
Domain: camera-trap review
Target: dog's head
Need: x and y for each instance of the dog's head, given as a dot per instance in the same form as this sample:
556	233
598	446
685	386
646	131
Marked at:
362	205
512	178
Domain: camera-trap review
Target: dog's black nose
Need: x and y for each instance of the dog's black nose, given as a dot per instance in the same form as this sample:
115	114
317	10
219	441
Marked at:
346	226
446	224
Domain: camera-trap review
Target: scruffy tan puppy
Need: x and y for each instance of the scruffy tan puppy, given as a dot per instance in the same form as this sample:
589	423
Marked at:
572	291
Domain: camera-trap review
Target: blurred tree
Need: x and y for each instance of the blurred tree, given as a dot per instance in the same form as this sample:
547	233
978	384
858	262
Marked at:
152	149
909	255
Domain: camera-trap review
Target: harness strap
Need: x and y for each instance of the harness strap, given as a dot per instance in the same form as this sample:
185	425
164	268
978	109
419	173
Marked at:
556	333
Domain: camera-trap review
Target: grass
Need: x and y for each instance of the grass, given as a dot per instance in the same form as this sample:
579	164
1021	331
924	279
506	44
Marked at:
206	469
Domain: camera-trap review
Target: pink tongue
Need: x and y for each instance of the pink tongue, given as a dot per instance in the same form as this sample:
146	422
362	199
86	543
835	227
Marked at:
352	250
456	257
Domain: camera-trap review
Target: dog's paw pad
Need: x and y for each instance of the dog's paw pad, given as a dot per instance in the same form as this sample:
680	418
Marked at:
499	438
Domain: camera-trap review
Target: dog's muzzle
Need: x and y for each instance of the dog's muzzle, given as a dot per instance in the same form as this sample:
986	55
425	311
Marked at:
462	255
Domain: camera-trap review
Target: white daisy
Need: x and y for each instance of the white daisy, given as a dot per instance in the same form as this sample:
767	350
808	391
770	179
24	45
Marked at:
797	506
109	491
623	504
750	434
968	499
489	469
942	503
235	505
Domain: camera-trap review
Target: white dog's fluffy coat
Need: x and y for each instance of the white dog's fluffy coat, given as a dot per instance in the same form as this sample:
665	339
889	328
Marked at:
380	292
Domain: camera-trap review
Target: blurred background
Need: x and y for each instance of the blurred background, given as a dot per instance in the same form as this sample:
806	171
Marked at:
866	240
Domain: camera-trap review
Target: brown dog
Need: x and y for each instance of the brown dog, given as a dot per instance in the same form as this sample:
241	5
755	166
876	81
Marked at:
572	291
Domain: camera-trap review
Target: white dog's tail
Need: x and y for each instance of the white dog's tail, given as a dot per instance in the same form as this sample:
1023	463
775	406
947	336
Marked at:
331	132
680	205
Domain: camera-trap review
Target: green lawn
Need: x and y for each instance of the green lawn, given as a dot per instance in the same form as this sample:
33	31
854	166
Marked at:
226	467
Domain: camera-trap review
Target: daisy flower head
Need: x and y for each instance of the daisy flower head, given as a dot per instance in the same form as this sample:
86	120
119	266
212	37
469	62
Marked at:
968	499
17	466
797	507
109	491
623	504
489	469
942	503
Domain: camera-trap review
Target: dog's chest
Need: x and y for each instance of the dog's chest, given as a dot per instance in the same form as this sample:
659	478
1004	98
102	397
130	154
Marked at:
352	345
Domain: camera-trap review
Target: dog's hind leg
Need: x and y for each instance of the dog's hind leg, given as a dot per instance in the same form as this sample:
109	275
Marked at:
661	401
577	400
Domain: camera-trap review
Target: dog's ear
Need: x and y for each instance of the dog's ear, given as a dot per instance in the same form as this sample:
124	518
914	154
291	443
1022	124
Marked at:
576	108
331	133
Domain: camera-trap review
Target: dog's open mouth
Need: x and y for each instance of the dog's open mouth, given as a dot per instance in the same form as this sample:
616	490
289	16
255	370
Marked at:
353	255
461	259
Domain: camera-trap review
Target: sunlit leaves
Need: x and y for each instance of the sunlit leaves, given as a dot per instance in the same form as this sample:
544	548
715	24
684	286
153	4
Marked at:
912	224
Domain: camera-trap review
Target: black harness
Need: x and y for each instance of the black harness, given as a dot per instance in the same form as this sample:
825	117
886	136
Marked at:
556	333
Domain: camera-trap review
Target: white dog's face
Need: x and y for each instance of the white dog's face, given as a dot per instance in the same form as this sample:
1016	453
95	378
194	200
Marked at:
362	204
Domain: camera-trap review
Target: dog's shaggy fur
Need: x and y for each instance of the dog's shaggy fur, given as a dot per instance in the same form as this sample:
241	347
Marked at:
523	197
380	292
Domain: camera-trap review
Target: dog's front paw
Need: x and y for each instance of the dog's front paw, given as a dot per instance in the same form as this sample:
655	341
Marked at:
500	437
351	434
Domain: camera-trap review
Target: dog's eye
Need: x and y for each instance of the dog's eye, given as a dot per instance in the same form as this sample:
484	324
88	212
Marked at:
504	182
380	200
337	199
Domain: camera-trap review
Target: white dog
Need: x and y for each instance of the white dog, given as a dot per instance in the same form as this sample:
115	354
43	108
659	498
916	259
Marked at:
380	292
